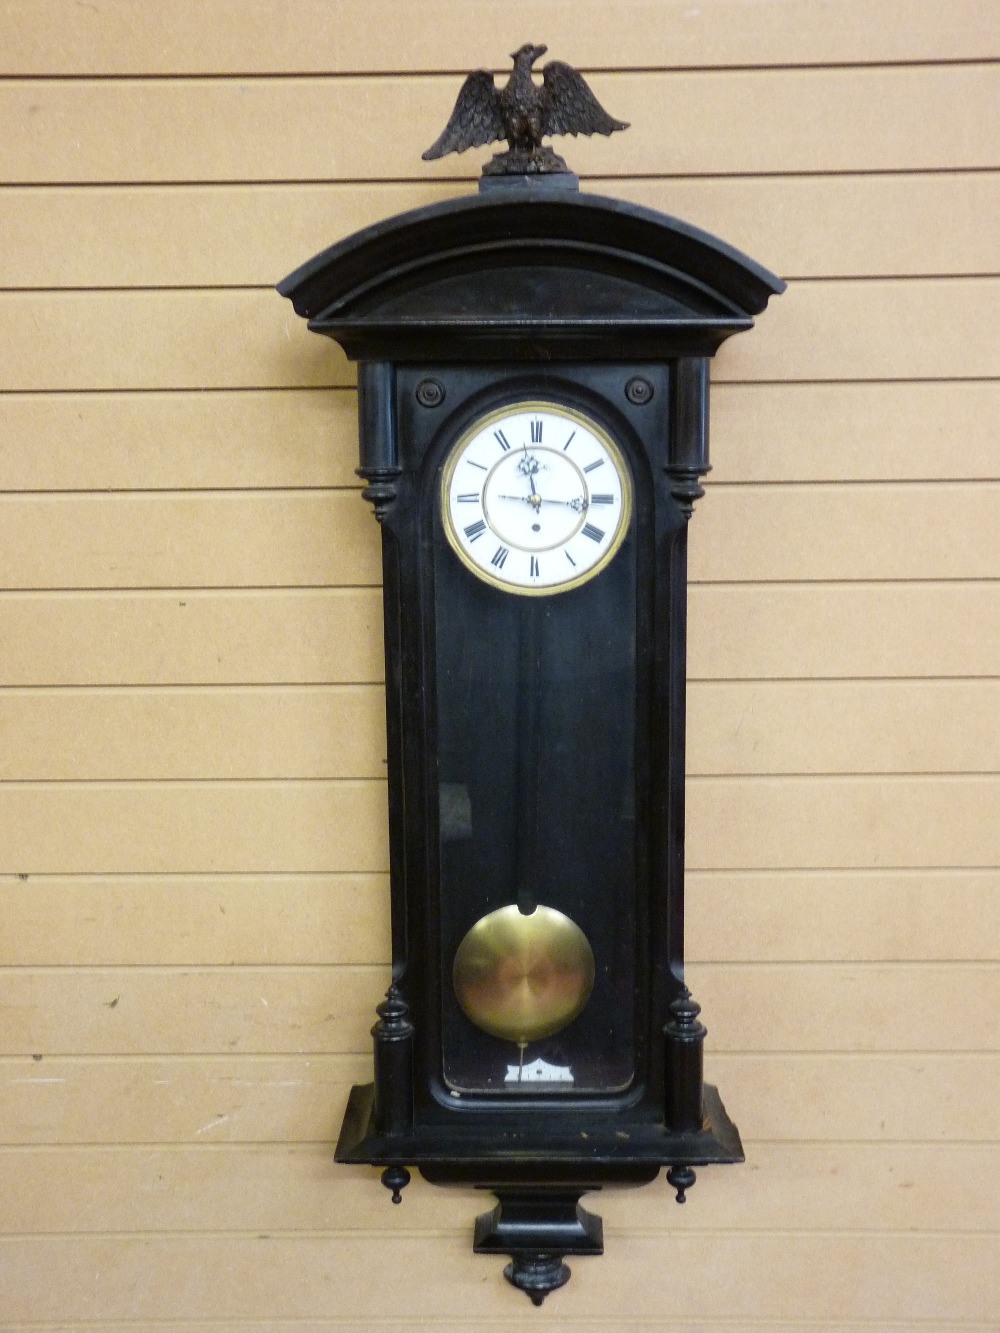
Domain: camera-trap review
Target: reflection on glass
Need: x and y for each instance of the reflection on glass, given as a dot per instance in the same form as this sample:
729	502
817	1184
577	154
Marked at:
536	709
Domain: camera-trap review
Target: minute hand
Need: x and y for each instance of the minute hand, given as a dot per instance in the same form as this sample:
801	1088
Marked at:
579	504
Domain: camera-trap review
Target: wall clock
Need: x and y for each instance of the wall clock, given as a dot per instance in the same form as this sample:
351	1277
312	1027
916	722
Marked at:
533	408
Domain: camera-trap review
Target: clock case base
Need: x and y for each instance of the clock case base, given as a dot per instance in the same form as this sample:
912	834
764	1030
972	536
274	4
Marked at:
581	1147
538	1219
516	282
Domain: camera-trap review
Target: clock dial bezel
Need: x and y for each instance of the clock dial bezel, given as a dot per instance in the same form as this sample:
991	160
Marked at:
575	417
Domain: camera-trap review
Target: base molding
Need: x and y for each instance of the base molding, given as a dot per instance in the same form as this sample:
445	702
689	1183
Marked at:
538	1180
538	1226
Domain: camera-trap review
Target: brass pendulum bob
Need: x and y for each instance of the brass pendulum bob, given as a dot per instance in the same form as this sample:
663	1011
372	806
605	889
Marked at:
523	976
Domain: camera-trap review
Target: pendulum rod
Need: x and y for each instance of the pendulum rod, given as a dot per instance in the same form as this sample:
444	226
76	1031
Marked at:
528	754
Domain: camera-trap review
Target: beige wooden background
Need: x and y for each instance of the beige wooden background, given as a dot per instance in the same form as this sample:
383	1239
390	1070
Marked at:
193	900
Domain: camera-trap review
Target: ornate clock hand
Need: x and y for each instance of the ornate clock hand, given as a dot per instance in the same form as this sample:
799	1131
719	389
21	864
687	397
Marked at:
579	504
527	467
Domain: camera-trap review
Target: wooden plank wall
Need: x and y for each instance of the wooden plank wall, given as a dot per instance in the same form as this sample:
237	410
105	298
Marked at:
192	860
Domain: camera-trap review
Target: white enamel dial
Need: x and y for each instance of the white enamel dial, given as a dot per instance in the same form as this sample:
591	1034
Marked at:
536	498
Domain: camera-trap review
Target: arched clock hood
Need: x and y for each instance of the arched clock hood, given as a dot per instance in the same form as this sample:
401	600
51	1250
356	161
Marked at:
563	274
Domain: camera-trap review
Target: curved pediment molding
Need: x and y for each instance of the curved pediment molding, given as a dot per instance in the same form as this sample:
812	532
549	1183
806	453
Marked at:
575	274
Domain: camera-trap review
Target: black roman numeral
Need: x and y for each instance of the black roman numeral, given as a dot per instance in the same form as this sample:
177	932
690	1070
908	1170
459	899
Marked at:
569	442
499	556
536	432
597	499
590	466
570	558
595	534
481	466
502	440
533	567
473	496
475	530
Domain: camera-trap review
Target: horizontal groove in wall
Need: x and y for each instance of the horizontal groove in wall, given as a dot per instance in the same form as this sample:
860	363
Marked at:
730	967
498	70
352	488
659	1324
356	1062
972	1148
152	876
824	1326
940	487
308	780
195	289
279	783
292	1234
116	394
285	589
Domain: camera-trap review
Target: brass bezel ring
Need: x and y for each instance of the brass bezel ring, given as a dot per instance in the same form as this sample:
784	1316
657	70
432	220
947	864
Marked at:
569	414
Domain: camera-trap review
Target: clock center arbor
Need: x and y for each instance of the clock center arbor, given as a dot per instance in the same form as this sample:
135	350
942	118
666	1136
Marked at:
533	407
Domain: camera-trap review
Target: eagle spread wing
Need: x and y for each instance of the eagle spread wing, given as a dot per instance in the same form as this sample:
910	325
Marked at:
569	107
475	120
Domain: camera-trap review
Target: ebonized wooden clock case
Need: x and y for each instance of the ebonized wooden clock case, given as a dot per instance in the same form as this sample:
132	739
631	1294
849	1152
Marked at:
533	405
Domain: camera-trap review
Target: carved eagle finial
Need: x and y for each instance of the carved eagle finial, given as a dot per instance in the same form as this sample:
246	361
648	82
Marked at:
523	113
